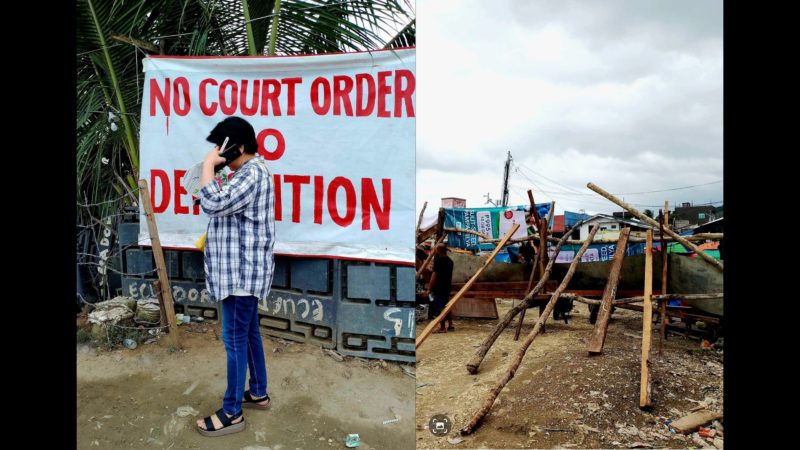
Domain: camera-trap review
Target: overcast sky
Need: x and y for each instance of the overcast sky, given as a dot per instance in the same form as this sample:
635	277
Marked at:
625	94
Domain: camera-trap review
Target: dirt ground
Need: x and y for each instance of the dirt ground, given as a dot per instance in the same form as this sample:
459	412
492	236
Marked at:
560	397
130	398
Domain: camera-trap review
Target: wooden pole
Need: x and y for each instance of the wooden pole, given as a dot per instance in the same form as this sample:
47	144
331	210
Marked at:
595	346
464	230
161	267
647	323
662	304
534	212
709	259
541	259
428	329
631	240
520	354
480	353
157	286
419	221
528	289
542	244
440	222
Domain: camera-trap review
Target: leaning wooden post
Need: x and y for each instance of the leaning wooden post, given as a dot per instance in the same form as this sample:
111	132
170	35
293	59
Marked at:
483	349
440	222
515	363
595	346
709	259
647	323
662	304
161	267
419	221
540	258
528	289
428	329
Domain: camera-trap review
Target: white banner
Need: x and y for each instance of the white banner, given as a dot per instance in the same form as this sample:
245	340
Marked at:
337	131
507	220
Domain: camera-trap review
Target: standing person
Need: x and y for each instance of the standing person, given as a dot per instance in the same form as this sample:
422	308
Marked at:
440	285
239	266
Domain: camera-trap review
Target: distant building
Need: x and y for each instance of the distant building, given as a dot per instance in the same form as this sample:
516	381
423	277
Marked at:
688	216
610	227
453	202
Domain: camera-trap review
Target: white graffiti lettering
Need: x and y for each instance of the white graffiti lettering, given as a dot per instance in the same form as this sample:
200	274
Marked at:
303	301
318	312
398	323
193	298
178	293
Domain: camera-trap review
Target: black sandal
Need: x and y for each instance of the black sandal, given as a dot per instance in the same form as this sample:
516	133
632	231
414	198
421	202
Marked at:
250	402
227	426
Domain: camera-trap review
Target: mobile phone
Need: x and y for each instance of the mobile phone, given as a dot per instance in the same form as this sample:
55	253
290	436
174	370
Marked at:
229	153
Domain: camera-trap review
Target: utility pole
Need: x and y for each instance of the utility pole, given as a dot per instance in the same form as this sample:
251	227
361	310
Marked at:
505	180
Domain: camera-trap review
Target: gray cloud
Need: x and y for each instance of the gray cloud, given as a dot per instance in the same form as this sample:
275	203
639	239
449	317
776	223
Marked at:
626	94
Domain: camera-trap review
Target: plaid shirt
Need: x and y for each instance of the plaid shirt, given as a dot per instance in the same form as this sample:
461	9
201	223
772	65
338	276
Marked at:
241	233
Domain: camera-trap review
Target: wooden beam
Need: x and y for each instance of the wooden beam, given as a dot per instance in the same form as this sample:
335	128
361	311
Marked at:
161	267
706	257
631	240
598	338
440	223
428	329
647	323
419	221
157	286
477	418
662	304
691	422
534	212
464	230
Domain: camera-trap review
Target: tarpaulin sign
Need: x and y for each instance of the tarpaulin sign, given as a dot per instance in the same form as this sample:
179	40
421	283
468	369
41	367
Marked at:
337	132
491	221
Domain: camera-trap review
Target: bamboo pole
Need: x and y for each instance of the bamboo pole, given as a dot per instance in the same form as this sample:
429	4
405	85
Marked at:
161	267
480	353
464	230
647	323
595	345
631	240
517	361
653	223
428	329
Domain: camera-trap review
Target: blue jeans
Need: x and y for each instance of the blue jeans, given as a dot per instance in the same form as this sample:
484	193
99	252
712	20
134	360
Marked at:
242	338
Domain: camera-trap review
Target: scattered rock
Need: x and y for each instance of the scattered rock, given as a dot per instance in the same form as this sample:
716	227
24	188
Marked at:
184	411
454	441
334	355
593	407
